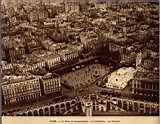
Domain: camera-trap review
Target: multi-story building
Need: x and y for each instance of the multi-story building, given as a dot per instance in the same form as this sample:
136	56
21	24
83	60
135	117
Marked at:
147	61
15	48
22	15
4	24
148	88
31	63
4	57
71	5
46	43
14	53
7	68
51	85
33	15
52	11
43	12
116	52
146	84
129	56
68	54
78	47
57	46
32	44
52	46
116	48
51	60
55	9
89	40
21	91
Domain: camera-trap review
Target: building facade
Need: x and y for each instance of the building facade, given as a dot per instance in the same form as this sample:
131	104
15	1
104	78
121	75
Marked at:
147	88
21	91
68	55
7	68
51	85
51	60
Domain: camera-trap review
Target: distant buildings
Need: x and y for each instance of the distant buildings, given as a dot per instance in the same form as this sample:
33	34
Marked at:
52	46
68	54
52	60
30	63
90	41
32	44
14	48
147	61
33	15
71	5
43	13
7	68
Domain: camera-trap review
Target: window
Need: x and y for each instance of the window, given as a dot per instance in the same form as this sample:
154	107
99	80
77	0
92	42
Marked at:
4	92
30	86
17	90
4	87
147	85
135	106
119	103
10	92
24	88
141	105
142	85
154	87
150	86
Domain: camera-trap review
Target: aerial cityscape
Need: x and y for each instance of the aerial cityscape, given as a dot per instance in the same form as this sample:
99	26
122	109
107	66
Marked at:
80	57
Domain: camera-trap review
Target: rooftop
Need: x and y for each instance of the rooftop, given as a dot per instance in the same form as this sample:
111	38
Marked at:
18	78
146	75
119	78
29	59
13	42
45	55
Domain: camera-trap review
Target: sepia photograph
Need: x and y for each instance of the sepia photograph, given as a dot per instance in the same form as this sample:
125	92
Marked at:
80	58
